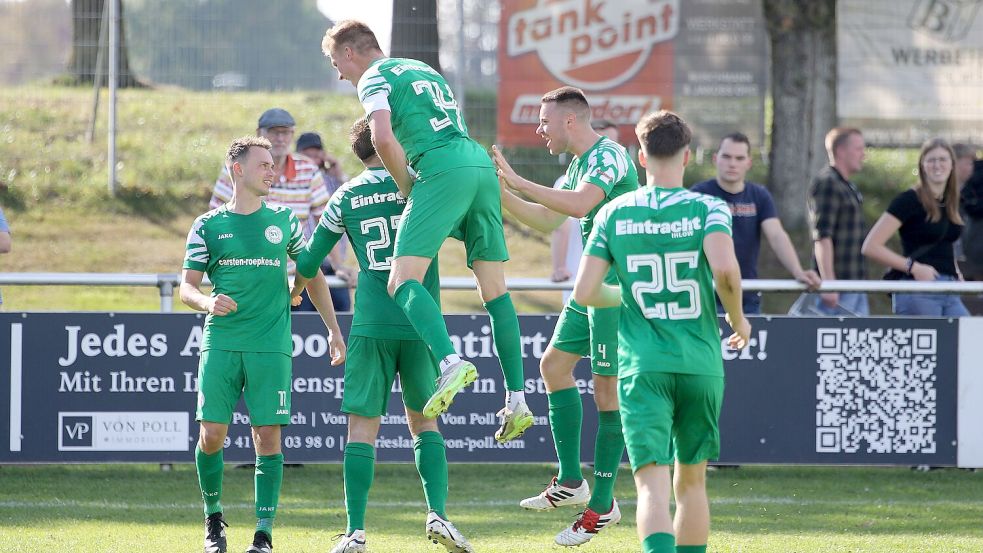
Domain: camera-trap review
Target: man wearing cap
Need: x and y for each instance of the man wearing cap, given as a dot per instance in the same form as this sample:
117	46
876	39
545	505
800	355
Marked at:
309	145
297	183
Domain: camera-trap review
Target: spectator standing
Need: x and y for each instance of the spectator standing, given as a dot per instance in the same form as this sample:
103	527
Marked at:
309	144
927	218
297	181
969	179
566	247
836	216
5	241
753	212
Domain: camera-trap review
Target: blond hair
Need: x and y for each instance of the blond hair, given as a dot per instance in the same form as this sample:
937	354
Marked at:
352	33
239	148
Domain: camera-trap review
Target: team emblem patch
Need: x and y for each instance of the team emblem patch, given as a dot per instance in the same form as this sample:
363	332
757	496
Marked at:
274	234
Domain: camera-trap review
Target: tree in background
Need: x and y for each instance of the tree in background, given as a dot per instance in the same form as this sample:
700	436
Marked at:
270	45
415	33
803	88
86	22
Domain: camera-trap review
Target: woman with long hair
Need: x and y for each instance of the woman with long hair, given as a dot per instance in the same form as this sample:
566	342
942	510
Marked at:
927	218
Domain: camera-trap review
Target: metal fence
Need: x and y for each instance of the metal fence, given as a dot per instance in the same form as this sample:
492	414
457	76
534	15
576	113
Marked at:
167	282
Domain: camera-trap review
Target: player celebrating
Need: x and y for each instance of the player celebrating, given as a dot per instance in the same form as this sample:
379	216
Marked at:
666	244
383	343
600	170
245	348
409	105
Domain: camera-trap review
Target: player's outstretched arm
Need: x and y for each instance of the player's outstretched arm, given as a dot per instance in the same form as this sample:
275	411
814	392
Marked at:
390	150
320	296
719	249
589	289
193	297
570	203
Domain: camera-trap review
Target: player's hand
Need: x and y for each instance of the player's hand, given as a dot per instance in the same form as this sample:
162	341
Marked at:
505	172
830	299
336	345
221	305
742	332
560	274
810	278
296	301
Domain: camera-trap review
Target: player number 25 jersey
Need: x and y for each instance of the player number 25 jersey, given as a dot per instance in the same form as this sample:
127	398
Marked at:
654	240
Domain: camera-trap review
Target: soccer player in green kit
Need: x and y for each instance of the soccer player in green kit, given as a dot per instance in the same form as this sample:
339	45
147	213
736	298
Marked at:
601	170
668	246
415	119
382	344
246	344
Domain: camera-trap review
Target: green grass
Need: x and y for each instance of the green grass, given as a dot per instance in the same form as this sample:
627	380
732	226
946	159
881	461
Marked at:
104	509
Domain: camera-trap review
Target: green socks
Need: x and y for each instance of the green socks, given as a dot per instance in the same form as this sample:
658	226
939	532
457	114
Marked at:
359	469
566	418
210	469
508	340
691	549
269	476
609	446
431	463
659	543
425	316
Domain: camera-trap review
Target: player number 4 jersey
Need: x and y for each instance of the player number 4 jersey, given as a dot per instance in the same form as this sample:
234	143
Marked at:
245	257
654	240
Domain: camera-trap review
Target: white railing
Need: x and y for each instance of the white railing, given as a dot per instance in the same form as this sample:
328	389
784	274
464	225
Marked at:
166	282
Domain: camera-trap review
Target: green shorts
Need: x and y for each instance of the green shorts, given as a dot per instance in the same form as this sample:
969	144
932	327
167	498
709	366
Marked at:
666	413
464	202
589	331
262	378
372	366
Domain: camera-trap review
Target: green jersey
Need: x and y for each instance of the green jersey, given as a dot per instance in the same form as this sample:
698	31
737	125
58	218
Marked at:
368	209
245	257
654	239
424	114
606	165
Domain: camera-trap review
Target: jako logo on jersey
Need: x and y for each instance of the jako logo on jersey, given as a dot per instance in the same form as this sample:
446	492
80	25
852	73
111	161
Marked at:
225	235
377	198
274	234
677	229
593	44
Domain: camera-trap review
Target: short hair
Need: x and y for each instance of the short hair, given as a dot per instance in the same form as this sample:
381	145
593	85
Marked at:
663	134
361	138
737	138
962	150
569	97
837	137
602	124
350	32
239	148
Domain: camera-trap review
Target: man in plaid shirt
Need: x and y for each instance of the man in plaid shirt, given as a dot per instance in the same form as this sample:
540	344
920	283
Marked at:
837	221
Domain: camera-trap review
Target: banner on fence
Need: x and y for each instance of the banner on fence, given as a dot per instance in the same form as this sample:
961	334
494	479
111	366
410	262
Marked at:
100	387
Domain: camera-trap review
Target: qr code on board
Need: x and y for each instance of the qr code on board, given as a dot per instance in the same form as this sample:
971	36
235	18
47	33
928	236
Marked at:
876	391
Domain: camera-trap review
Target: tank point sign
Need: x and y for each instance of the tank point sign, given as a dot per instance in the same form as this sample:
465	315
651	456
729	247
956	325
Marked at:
705	59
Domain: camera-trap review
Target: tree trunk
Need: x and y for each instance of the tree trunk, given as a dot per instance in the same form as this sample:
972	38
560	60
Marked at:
803	77
86	20
414	32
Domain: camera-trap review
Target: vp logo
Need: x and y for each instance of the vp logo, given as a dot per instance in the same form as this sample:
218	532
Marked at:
948	20
76	431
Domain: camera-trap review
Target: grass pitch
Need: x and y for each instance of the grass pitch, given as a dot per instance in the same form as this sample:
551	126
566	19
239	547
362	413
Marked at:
127	508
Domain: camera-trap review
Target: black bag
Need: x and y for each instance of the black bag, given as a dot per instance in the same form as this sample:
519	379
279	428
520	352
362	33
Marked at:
894	274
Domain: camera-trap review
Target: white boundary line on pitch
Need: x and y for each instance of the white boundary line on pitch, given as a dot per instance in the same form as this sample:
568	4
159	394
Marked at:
750	500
